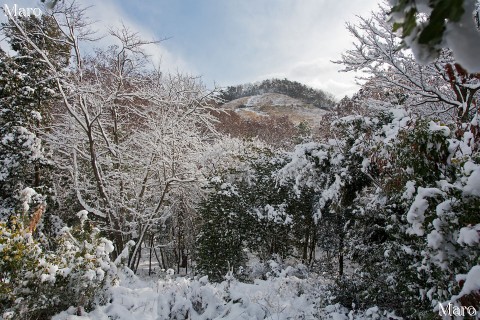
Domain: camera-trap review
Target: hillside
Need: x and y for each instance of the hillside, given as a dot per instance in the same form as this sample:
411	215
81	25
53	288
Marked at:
314	97
277	105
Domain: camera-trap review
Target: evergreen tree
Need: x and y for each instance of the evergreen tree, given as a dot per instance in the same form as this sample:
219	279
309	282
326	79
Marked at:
27	97
220	242
256	214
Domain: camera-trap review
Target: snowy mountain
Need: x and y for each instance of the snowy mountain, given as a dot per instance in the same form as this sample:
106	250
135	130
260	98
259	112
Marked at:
279	105
315	97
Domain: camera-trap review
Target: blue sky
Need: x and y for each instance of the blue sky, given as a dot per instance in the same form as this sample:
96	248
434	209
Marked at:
230	42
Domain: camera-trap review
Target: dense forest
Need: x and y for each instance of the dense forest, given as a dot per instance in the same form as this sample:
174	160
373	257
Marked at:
128	193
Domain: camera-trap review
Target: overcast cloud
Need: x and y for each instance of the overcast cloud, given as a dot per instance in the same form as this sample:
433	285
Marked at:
230	42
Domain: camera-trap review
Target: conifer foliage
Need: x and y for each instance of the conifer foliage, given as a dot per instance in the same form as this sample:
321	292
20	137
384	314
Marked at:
28	94
249	213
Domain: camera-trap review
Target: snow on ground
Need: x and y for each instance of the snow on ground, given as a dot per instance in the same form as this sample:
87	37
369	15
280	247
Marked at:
266	99
281	297
273	99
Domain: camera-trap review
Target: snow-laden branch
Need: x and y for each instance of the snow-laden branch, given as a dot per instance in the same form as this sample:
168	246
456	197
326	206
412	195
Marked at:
378	53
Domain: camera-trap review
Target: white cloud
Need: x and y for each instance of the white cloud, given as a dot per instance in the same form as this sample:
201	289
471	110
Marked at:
237	41
108	15
320	74
293	40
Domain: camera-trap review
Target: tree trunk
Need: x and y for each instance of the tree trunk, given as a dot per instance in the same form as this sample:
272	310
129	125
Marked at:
160	264
138	260
36	180
313	246
164	265
150	257
340	256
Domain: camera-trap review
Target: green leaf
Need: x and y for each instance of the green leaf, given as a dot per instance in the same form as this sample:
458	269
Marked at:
410	22
443	11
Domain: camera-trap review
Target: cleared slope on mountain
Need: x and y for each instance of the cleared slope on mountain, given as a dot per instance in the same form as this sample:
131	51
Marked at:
315	97
277	105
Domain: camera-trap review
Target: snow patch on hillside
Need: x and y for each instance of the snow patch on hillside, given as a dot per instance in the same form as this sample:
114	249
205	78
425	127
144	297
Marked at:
279	105
273	99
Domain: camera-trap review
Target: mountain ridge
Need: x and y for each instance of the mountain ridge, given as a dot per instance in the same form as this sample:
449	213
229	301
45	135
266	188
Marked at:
315	97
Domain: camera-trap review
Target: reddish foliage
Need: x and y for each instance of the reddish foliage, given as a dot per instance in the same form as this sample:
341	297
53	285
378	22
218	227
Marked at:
276	131
469	300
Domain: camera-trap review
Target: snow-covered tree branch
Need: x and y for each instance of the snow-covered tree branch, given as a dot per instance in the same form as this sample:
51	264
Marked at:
440	86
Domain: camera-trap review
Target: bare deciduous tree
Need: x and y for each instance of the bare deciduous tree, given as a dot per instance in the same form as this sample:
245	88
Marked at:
435	88
127	135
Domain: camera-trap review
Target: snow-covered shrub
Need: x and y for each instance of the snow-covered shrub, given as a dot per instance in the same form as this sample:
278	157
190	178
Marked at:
276	267
37	283
339	312
285	297
444	215
424	173
415	228
181	298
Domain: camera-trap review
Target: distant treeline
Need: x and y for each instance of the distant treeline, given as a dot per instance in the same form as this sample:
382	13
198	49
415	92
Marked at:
315	97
